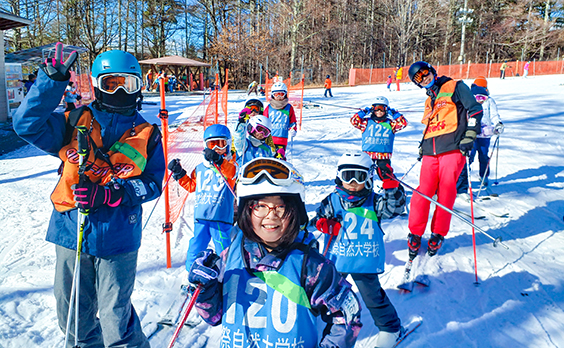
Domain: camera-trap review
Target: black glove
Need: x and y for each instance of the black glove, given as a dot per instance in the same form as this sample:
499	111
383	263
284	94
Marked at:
55	68
79	97
176	169
212	156
205	269
420	154
89	195
385	170
467	143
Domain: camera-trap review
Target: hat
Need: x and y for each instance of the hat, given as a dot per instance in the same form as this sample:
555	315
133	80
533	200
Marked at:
479	90
481	81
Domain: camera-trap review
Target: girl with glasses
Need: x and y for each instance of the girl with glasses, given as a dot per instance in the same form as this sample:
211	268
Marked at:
271	283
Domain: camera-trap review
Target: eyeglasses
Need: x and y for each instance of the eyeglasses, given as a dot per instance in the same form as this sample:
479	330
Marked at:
261	210
420	75
217	143
259	129
380	107
255	108
480	98
110	83
348	175
274	170
279	94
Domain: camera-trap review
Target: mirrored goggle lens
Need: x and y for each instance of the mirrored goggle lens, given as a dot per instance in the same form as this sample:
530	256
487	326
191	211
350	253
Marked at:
420	75
260	129
380	108
279	94
254	108
481	98
277	171
348	175
111	83
216	143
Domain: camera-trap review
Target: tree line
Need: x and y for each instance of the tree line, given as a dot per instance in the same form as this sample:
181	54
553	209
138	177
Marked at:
313	37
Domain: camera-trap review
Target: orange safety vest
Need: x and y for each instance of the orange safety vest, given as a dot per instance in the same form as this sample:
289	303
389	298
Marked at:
442	118
128	158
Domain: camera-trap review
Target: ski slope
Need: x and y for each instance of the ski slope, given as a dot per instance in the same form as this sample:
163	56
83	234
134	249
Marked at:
518	303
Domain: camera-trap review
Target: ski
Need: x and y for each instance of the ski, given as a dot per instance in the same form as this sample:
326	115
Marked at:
408	329
172	316
406	284
476	217
422	279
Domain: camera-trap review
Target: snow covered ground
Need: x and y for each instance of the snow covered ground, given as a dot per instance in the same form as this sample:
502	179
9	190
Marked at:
518	303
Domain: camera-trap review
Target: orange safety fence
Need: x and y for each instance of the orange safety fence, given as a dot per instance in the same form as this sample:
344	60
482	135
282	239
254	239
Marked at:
460	71
295	94
217	98
185	143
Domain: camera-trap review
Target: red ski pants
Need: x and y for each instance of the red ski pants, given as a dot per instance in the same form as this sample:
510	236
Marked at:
438	175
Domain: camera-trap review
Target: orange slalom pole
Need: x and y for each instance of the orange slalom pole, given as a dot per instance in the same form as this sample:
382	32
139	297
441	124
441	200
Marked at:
216	87
167	226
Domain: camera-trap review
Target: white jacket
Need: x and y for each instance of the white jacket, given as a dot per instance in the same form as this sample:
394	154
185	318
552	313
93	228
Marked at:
489	119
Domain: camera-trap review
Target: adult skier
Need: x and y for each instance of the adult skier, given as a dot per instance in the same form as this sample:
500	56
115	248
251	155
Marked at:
124	169
452	119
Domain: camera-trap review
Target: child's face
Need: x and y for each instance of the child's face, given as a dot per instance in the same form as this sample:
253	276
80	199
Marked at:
258	135
270	227
379	113
353	186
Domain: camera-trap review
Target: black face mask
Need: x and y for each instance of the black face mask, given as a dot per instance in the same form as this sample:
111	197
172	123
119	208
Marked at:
119	102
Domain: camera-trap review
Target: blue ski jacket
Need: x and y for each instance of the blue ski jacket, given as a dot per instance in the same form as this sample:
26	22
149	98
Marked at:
108	231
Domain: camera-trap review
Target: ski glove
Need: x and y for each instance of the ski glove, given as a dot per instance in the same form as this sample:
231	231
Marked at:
89	195
176	169
385	170
212	156
467	143
292	133
328	226
498	129
420	154
205	269
365	113
55	68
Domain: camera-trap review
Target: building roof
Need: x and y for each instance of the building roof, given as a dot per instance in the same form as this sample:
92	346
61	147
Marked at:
38	54
174	60
11	21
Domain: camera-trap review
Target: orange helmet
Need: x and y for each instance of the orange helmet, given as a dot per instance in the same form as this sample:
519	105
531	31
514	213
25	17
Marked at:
481	82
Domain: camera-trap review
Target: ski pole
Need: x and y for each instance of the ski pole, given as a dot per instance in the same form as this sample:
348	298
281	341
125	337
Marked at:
224	179
334	105
496	160
409	170
487	168
186	314
452	212
82	138
472	216
157	202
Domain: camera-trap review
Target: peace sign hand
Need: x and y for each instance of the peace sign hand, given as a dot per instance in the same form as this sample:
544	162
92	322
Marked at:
55	68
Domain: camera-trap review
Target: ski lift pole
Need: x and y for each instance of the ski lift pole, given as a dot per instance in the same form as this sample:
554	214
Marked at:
452	212
167	225
82	137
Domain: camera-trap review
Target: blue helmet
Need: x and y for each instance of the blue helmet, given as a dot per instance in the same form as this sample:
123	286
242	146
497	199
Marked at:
218	131
115	61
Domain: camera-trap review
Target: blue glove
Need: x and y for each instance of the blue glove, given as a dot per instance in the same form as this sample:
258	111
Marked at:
394	113
205	269
365	113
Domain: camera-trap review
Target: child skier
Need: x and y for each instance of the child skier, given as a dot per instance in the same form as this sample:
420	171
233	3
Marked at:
389	82
213	207
350	220
258	130
283	118
253	107
378	125
270	286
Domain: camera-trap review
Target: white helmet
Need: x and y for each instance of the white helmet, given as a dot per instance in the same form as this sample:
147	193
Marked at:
381	101
264	176
279	87
259	120
359	161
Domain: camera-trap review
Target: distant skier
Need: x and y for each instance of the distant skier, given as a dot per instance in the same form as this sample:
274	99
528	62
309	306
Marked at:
491	124
327	87
351	215
378	125
252	88
452	120
283	118
389	82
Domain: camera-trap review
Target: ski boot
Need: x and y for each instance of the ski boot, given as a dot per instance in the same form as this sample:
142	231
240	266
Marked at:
388	339
435	243
413	243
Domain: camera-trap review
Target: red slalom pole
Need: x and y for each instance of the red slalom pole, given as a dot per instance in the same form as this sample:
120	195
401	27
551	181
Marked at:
472	216
186	314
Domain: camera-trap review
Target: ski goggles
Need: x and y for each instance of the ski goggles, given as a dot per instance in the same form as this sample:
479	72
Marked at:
348	175
275	171
255	108
380	107
259	129
279	94
110	83
217	143
420	75
480	98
